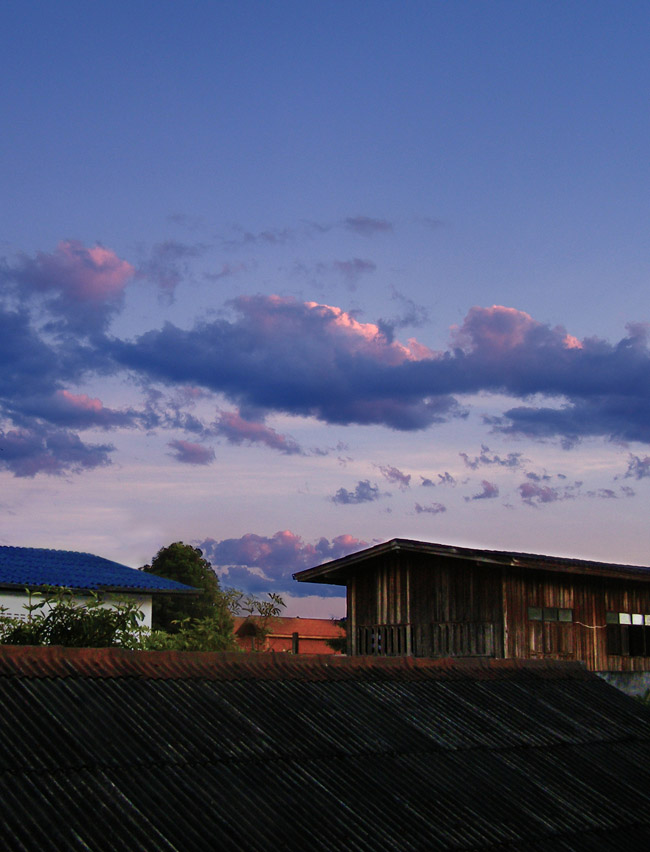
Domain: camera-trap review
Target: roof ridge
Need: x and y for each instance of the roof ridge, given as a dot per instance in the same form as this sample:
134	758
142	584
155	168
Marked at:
59	661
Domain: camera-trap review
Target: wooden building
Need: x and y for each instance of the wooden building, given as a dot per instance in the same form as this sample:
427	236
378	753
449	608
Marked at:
418	599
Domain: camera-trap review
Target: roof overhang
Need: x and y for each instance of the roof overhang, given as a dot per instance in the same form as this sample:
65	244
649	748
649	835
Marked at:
121	590
336	572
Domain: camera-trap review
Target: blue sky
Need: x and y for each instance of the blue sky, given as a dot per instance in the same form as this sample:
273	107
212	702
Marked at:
287	279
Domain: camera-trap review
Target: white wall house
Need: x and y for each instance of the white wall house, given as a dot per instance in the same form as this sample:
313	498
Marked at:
16	603
26	570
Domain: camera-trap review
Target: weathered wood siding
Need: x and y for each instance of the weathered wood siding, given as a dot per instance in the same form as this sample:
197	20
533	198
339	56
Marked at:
427	607
410	603
585	637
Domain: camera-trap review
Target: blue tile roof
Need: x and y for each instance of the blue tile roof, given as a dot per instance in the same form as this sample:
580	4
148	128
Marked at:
33	566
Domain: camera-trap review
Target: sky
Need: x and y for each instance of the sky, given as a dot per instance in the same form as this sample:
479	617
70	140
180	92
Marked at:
285	280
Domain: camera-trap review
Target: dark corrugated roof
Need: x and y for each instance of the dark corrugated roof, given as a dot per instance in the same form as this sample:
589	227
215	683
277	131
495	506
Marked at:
35	566
335	572
113	749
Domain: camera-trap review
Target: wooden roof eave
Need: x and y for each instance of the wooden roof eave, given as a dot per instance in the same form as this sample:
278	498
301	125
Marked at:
336	571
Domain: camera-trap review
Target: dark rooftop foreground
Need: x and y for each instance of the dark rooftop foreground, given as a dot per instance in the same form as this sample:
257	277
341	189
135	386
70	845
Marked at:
119	750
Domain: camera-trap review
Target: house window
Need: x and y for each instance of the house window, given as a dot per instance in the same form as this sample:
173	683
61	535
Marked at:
628	634
550	613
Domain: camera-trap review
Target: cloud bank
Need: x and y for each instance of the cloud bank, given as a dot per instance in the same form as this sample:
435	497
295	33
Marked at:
278	355
261	564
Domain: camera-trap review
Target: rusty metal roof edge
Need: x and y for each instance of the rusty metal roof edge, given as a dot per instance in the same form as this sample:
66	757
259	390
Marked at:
106	663
535	561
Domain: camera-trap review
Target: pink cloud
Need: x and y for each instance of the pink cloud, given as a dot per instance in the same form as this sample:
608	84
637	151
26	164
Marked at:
80	401
189	453
498	330
262	563
488	491
232	426
83	274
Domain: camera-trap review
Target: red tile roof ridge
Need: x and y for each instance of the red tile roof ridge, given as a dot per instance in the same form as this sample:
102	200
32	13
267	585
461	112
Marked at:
317	627
61	662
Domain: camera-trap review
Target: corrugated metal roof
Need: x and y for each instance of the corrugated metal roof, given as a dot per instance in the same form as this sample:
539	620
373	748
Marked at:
22	567
112	750
335	572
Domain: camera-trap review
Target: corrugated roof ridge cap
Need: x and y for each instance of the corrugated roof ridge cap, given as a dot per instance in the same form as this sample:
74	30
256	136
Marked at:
58	661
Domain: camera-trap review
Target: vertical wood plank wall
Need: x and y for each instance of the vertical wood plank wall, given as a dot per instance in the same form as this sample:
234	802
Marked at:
585	638
452	608
437	606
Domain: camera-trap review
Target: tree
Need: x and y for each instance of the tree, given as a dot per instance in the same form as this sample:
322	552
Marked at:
339	643
185	564
260	615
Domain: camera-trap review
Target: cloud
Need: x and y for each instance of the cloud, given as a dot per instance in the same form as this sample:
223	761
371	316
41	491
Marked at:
232	426
82	286
512	460
603	494
431	509
352	270
638	468
302	358
446	479
367	226
80	411
489	490
395	475
363	493
167	264
189	453
228	270
259	564
40	449
534	494
269	236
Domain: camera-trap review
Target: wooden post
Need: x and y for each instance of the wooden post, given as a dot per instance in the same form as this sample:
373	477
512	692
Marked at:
295	643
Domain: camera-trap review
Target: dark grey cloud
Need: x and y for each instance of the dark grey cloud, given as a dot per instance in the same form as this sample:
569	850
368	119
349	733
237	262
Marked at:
638	468
301	358
602	494
446	478
395	475
259	564
269	237
40	449
364	492
431	509
487	458
168	263
367	226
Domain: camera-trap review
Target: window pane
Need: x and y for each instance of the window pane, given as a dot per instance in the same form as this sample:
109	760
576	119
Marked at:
550	613
565	615
611	618
636	618
534	613
624	618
